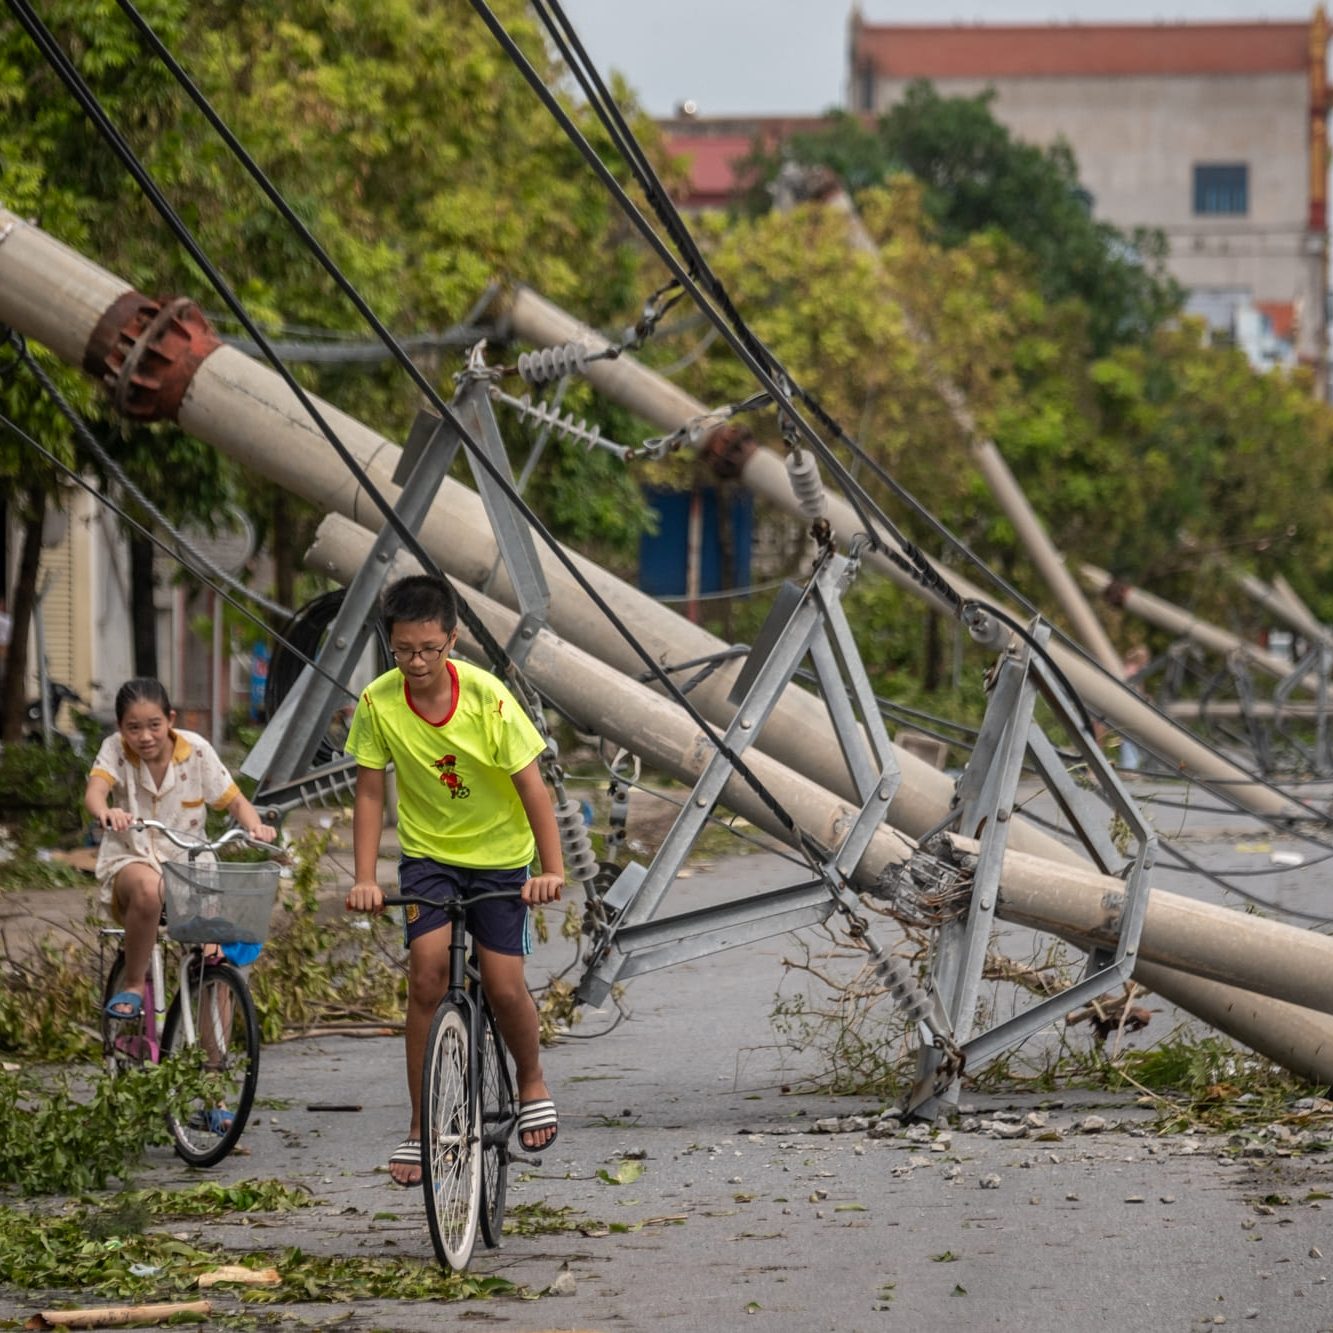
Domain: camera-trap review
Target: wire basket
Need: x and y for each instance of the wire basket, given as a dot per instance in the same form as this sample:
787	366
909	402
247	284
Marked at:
219	902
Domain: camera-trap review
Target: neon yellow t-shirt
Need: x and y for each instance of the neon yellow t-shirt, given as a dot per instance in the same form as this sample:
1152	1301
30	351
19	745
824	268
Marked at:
456	799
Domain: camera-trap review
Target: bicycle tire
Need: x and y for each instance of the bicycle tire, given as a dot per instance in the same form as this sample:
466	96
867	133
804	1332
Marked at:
201	1130
498	1115
451	1138
126	1043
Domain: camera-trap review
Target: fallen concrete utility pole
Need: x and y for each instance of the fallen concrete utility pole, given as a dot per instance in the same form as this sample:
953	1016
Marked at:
144	351
1280	606
1288	594
1264	709
1179	622
1290	971
763	471
166	360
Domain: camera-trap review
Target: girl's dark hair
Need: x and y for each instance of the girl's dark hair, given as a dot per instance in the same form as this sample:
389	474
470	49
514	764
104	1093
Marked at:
141	690
420	597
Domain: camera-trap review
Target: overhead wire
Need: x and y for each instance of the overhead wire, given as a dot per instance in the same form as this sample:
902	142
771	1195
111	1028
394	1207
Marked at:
69	75
599	97
816	444
92	107
113	469
756	358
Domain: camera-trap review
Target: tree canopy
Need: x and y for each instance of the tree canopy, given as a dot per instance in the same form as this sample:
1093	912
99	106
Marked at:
977	177
1142	459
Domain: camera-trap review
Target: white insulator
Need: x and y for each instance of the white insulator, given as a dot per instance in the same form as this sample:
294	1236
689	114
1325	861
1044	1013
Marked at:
803	472
580	861
567	427
552	363
907	995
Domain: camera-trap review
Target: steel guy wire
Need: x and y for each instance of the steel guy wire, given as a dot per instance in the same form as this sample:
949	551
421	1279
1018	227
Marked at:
756	359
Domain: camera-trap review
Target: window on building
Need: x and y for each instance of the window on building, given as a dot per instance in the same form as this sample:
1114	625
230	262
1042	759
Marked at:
865	87
1222	188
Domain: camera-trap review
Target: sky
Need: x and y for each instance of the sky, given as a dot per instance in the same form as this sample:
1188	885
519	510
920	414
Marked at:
756	56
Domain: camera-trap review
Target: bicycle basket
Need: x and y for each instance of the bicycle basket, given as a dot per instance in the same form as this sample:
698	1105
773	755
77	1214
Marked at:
219	902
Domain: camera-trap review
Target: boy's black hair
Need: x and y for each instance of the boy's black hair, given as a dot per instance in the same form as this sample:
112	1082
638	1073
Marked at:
420	597
141	690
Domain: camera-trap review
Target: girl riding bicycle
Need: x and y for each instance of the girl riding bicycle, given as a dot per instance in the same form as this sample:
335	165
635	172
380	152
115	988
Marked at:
152	771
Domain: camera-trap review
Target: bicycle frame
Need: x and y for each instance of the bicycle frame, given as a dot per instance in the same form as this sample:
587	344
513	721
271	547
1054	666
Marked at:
209	1011
469	1149
156	995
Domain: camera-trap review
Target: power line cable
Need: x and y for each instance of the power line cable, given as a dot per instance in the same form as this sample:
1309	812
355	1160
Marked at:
92	107
599	98
118	475
70	76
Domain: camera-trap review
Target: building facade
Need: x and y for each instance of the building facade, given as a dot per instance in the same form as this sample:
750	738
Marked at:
1213	133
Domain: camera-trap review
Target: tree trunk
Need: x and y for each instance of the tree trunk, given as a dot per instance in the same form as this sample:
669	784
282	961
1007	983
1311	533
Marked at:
25	598
143	609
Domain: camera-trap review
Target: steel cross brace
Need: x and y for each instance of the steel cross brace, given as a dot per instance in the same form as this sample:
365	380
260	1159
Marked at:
284	753
984	803
1317	662
636	941
287	747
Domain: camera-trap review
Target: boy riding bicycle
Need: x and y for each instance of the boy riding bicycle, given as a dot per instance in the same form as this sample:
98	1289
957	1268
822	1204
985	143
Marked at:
472	809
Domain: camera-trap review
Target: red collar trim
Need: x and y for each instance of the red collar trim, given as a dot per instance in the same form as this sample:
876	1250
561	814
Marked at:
453	698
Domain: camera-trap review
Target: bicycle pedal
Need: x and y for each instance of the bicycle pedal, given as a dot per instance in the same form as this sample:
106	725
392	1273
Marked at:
527	1161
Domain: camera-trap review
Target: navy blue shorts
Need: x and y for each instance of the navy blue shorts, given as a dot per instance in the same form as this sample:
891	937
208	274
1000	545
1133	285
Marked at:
501	924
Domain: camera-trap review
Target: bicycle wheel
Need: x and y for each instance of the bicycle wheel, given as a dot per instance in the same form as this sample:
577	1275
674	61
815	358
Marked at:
451	1138
126	1042
208	1116
497	1124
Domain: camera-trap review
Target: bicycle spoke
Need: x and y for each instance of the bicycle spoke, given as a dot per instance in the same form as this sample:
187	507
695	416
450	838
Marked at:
218	1064
451	1175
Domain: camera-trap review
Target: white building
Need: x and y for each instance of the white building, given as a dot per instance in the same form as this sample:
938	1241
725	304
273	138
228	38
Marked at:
1213	133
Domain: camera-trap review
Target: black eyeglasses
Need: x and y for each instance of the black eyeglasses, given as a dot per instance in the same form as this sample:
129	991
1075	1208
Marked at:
427	655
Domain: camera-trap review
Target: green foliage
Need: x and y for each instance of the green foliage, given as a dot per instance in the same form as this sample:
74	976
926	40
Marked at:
1144	460
106	1251
315	971
60	1141
47	1000
542	1219
978	178
402	137
1211	1083
213	1200
41	794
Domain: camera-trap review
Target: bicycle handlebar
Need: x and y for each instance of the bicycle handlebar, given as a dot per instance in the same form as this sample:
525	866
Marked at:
450	904
198	845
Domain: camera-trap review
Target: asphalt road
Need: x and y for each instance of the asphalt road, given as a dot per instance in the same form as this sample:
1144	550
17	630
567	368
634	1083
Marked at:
1025	1214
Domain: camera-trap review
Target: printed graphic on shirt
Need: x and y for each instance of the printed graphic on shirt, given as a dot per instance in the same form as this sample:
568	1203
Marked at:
458	789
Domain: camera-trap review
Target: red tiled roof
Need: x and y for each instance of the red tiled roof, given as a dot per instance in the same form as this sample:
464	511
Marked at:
1281	315
918	52
712	162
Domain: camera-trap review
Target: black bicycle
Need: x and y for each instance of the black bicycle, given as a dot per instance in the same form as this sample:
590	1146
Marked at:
468	1104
